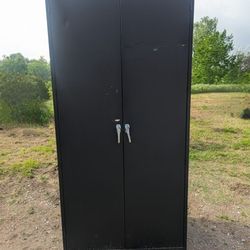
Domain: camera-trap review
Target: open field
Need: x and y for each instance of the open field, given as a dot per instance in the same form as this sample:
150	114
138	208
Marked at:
219	186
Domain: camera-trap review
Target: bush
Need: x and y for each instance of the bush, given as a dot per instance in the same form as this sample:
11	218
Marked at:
245	113
5	113
213	88
31	112
23	99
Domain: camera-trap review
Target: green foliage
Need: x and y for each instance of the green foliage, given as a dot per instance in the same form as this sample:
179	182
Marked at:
49	88
212	57
22	99
16	89
220	88
39	68
15	63
16	66
5	113
245	67
24	90
32	112
239	73
245	113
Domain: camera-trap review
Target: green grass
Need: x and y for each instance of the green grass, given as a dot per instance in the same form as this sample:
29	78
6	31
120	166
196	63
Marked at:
26	168
220	88
44	149
220	152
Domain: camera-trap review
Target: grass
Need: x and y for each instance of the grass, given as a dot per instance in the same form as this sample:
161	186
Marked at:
25	150
26	168
220	88
220	154
44	149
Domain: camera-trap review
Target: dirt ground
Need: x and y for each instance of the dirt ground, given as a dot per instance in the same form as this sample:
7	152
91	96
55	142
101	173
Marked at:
30	205
30	219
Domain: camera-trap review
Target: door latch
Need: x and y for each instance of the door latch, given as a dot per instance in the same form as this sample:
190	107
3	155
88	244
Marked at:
127	131
118	131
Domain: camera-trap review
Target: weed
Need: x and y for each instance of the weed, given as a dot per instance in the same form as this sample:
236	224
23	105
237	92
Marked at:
243	144
224	217
43	149
44	178
2	171
26	168
31	210
230	130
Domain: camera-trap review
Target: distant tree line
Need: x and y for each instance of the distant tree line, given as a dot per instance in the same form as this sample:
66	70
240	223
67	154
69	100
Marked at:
24	90
214	58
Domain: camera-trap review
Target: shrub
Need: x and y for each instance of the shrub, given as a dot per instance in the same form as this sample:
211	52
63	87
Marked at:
245	113
5	113
31	112
23	99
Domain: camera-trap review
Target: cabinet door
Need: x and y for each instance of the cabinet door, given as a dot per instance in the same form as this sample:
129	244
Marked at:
85	56
156	45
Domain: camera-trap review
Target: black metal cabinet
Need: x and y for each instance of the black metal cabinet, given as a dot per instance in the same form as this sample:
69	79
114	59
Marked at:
121	83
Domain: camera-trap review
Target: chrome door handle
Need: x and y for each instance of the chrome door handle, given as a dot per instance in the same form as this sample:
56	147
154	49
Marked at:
127	131
118	131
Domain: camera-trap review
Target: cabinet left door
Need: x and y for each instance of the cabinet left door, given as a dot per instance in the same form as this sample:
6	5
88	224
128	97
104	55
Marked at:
84	41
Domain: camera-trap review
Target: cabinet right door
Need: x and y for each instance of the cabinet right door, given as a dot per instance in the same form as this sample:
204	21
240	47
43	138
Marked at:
156	44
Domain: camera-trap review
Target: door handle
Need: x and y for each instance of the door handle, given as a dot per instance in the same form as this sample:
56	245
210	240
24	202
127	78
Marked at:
118	131
127	131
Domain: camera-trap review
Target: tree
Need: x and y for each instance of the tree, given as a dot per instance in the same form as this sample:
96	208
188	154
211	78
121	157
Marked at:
15	63
240	72
24	90
235	71
39	68
22	98
212	52
245	68
246	62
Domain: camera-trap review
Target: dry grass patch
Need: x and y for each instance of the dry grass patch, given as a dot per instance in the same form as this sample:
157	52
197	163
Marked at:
26	149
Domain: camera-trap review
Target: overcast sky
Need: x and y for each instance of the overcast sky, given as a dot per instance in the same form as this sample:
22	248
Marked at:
23	25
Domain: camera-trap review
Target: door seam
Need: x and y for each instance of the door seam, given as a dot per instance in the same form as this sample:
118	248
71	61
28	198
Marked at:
123	121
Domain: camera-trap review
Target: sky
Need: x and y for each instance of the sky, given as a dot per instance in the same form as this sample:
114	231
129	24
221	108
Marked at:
23	26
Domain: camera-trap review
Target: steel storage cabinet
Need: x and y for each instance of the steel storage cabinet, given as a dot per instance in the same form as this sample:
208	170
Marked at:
121	82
